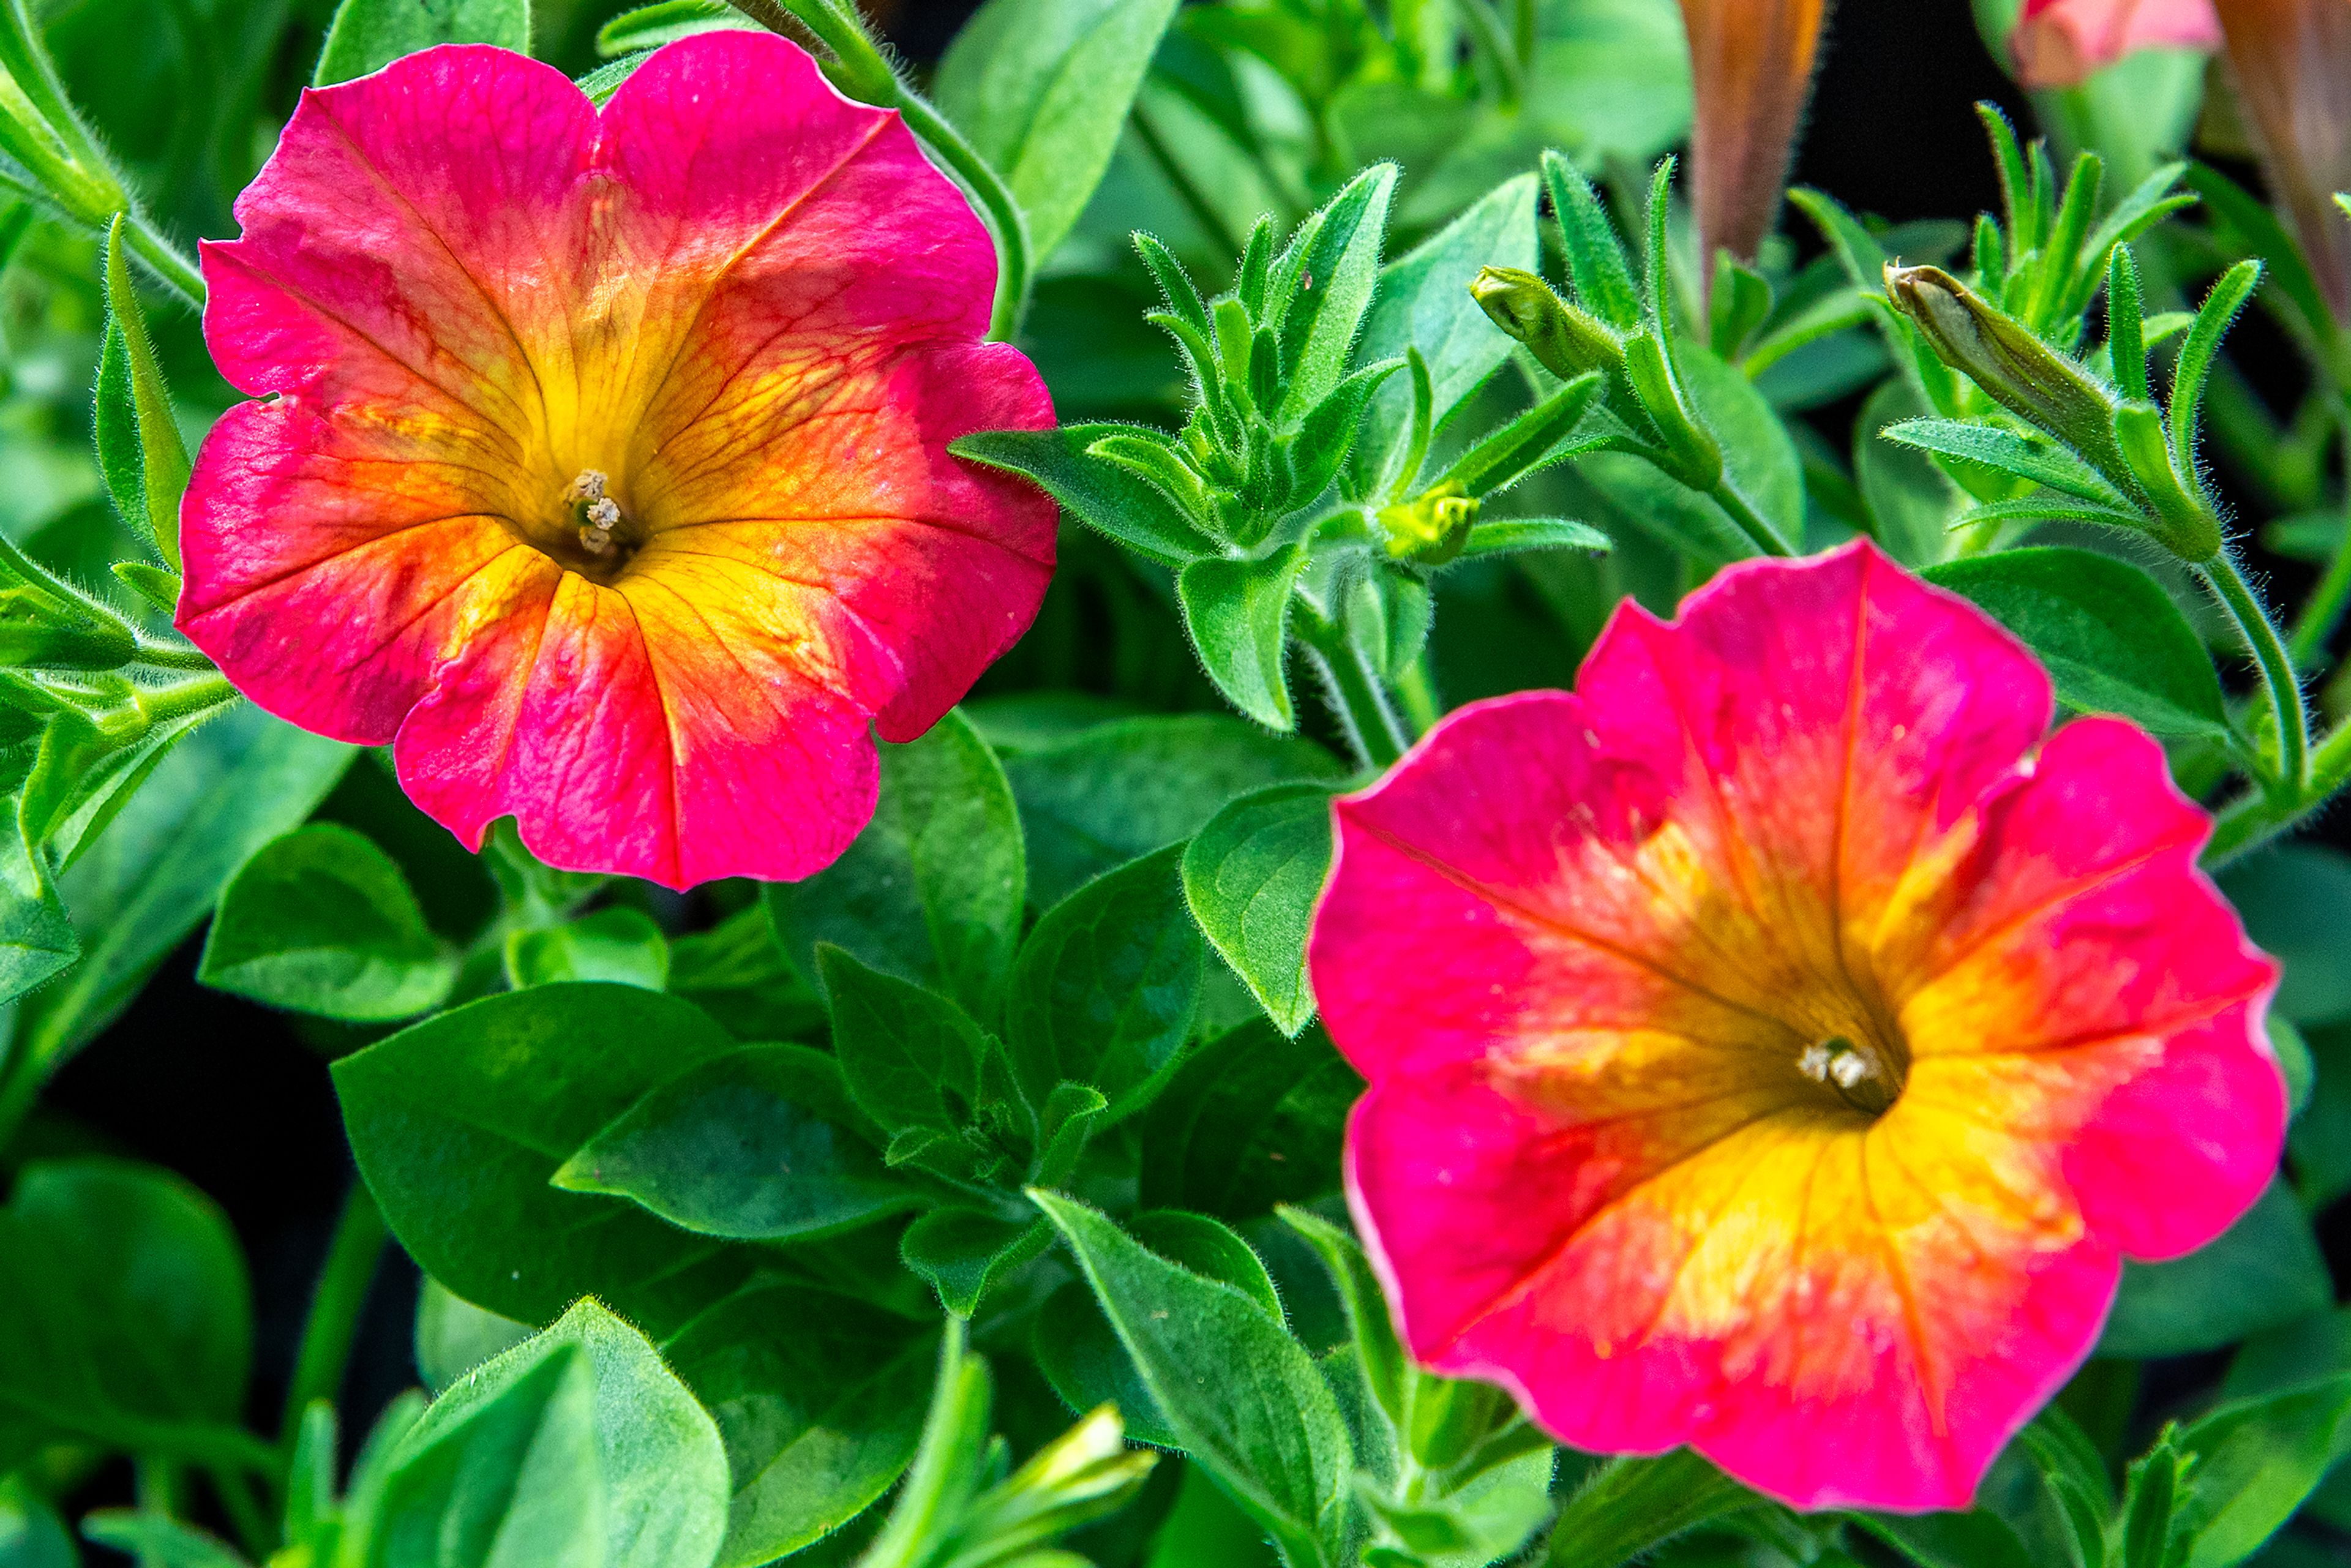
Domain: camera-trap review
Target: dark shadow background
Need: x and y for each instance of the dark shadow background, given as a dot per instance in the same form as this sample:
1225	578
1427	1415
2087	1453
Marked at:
228	1094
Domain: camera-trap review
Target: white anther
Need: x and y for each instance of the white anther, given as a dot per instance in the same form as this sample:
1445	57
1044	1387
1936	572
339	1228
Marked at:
1849	1069
604	513
595	541
1814	1063
588	486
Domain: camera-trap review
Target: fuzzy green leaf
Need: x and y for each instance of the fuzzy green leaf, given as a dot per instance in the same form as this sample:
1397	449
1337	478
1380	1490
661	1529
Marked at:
754	1145
322	921
1106	986
1042	88
1251	877
1237	613
369	35
2112	639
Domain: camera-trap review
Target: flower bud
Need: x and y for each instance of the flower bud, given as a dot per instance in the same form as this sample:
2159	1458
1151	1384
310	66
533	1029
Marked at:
2291	60
1432	526
1566	340
1751	67
2060	43
2014	366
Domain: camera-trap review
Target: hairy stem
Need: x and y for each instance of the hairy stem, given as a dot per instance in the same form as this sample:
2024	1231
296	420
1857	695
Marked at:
2226	580
1374	728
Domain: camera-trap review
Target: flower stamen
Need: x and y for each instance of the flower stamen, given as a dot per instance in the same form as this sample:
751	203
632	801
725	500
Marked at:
1857	1075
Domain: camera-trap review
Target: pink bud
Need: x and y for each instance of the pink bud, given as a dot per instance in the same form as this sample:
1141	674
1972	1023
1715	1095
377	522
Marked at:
2057	43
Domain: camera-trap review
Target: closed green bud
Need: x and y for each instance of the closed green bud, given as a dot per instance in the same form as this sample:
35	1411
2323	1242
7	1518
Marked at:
2014	367
1565	339
1432	526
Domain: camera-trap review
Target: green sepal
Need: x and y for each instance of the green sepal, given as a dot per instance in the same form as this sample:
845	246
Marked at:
139	446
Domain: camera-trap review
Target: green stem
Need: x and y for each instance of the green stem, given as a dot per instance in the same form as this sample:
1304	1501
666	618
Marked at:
335	1306
246	1514
865	74
1494	41
158	1483
1371	724
2257	819
1751	522
165	260
170	653
2226	580
2323	612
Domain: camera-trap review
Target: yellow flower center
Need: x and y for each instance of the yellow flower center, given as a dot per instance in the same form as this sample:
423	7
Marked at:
587	530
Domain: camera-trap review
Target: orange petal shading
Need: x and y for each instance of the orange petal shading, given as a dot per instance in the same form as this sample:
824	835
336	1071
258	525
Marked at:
1769	1051
602	470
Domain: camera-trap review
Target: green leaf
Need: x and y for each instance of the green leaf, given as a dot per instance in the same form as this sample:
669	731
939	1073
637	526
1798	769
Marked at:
1250	1120
578	1445
819	1398
2264	1271
1758	457
2257	1459
964	1252
1242	1398
666	22
1118	790
1912	501
31	1534
458	1124
1237	613
369	35
2291	897
453	1336
931	890
158	1539
144	884
737	973
1996	446
1596	262
2112	639
1422	301
1972	1540
1106	986
140	451
754	1145
1630	1505
911	1057
621	944
322	922
1508	536
1251	877
1042	88
1101	494
125	1317
1388	1372
1322	285
37	940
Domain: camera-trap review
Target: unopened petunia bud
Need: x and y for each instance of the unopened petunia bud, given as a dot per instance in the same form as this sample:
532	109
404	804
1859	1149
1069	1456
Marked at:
2292	63
1564	338
2002	355
1431	528
2059	43
1751	67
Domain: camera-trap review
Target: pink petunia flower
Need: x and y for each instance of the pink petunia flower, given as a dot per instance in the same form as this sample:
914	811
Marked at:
602	467
1771	1051
2059	43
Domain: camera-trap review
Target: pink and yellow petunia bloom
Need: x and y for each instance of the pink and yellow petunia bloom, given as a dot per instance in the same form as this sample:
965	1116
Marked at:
603	469
1776	1045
